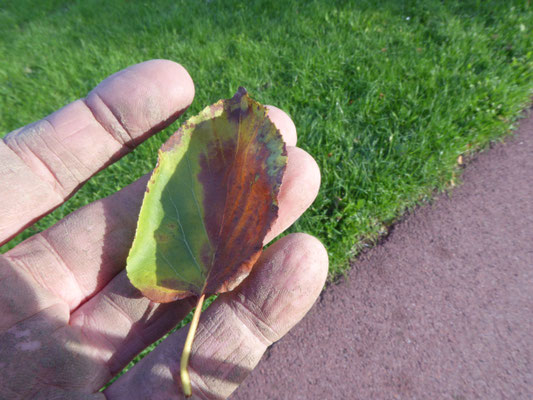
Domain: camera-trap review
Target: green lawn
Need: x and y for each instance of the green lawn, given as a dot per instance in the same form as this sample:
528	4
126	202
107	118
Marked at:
385	94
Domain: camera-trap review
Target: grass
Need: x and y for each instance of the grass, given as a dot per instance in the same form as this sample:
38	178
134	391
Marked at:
385	94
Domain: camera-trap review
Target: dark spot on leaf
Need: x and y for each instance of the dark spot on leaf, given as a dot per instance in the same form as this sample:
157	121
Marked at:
162	237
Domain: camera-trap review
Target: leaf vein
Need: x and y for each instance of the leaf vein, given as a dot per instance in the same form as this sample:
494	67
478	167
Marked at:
172	266
196	199
227	190
184	236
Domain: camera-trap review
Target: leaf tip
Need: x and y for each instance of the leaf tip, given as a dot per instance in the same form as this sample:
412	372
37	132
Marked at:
241	92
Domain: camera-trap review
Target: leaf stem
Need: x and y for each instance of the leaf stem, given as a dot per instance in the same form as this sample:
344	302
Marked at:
185	378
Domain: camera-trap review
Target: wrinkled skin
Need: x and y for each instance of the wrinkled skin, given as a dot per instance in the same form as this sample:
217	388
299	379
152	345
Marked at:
69	318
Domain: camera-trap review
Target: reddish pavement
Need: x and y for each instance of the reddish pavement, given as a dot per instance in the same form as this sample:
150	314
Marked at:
442	309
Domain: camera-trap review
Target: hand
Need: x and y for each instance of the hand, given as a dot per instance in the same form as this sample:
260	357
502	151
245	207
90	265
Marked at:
69	318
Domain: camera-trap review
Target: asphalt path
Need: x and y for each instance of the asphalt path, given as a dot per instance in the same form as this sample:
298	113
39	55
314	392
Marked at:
441	309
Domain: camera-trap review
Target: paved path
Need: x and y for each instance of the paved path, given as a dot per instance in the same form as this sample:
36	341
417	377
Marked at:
443	309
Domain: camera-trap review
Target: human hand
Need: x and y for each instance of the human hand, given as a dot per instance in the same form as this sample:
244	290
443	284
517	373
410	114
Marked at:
69	317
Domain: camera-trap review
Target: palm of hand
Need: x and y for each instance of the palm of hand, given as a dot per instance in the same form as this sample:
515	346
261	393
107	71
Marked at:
69	318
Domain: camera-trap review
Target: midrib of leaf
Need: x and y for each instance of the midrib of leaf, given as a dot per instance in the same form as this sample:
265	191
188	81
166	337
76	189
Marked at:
246	153
226	197
196	201
219	142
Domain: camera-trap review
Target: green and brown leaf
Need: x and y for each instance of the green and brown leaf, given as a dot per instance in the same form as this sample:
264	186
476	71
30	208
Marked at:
210	202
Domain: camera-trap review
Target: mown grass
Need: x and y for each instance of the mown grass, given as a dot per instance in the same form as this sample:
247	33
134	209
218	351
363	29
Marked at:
385	94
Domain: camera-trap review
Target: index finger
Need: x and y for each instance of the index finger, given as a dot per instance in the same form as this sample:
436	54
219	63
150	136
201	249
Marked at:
44	163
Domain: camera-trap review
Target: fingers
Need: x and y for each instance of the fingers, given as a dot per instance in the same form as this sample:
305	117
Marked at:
236	330
299	189
120	322
45	162
301	181
284	123
116	316
78	256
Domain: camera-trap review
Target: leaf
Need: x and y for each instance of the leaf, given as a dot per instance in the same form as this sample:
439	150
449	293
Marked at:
209	203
